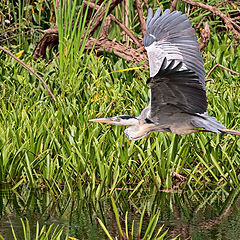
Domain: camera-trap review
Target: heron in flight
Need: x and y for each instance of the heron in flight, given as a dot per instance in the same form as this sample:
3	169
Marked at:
178	101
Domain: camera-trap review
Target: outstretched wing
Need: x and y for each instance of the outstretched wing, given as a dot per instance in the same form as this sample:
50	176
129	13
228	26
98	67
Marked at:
176	65
179	88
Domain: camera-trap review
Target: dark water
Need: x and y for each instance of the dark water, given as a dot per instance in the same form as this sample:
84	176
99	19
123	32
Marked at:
191	215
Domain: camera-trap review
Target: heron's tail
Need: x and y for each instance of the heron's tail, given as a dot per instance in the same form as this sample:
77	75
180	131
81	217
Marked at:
230	131
210	124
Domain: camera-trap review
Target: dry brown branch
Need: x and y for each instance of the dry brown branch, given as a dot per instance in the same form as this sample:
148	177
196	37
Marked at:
173	5
141	16
178	176
119	49
51	60
146	3
121	25
94	17
228	21
50	39
124	51
201	21
105	28
29	69
101	14
236	18
204	36
209	80
127	31
225	68
57	3
125	15
6	39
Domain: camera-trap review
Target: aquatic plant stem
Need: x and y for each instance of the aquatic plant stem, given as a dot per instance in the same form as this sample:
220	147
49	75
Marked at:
228	21
31	70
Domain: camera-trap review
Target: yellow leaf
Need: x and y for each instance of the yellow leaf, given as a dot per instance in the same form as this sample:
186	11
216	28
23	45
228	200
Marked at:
127	69
19	54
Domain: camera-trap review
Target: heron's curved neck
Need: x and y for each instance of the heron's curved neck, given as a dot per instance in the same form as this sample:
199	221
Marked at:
139	131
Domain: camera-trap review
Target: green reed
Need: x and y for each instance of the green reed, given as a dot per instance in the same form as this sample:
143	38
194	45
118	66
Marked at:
57	148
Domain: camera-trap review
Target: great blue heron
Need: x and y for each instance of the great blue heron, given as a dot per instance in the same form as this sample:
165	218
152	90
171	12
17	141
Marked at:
178	101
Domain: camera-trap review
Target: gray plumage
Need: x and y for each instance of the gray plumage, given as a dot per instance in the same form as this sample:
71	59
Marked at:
178	102
172	36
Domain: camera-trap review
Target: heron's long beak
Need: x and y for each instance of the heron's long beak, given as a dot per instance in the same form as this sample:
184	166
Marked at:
103	120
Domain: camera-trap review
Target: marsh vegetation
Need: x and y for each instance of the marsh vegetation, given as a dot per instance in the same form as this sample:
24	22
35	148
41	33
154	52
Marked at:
55	164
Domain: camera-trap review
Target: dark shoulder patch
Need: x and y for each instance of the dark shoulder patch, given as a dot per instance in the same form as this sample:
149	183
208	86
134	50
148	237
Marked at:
125	117
149	80
147	120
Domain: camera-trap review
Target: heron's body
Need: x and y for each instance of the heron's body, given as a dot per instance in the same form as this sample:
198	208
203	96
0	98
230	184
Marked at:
178	101
186	123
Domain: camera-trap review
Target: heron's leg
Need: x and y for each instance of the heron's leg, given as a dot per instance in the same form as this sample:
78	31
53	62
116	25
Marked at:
230	131
202	130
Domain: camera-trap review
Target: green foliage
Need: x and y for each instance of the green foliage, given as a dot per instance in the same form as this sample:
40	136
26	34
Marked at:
43	143
50	233
129	233
56	148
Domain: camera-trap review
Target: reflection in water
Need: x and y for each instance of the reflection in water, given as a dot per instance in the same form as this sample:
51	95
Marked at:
192	215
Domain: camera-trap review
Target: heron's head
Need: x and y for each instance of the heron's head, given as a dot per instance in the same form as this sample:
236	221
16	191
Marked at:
122	120
134	131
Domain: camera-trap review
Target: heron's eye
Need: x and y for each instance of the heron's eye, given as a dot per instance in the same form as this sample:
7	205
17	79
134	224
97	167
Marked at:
116	119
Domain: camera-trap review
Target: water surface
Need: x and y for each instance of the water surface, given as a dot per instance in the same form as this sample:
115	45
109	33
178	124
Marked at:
211	215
